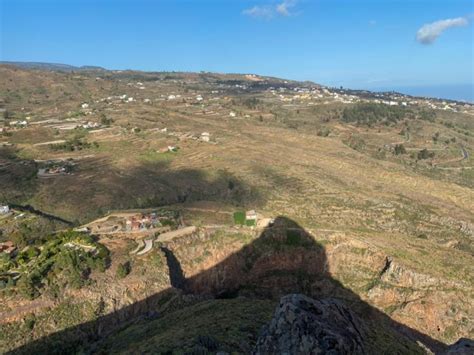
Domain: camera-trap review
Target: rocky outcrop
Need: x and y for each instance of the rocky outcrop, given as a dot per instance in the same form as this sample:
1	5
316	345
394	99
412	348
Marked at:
462	347
302	325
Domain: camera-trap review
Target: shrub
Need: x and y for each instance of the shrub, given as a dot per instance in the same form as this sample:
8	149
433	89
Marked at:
427	115
106	121
425	154
123	270
323	132
399	149
73	144
250	222
30	321
293	237
26	287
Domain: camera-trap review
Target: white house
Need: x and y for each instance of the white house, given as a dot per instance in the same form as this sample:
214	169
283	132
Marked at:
232	114
4	209
205	136
85	105
199	98
251	215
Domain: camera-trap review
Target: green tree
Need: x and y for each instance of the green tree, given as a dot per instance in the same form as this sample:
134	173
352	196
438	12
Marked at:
425	154
399	149
123	270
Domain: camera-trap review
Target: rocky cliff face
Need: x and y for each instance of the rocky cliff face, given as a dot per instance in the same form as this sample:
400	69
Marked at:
461	347
302	325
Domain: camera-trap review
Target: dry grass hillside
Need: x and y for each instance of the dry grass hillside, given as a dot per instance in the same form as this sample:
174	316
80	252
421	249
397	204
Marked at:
396	224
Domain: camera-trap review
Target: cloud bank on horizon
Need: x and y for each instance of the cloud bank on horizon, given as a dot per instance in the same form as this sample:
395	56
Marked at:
429	32
270	11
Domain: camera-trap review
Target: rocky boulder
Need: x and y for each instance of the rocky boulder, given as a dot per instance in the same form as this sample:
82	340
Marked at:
302	325
462	347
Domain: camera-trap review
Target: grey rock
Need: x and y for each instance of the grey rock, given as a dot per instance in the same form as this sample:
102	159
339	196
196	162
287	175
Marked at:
302	325
462	347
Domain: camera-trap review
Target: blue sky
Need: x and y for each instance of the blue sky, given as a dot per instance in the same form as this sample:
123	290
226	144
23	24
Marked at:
360	44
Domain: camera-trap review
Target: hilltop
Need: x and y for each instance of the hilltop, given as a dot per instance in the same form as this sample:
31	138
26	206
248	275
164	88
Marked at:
51	66
359	196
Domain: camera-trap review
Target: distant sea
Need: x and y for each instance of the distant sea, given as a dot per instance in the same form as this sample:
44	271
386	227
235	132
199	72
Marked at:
460	92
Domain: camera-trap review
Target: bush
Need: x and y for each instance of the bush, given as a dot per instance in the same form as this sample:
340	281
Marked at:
399	149
293	237
323	132
250	222
123	270
30	321
106	121
73	144
426	115
425	154
26	287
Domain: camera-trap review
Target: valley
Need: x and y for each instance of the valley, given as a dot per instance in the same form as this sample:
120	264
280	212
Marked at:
135	181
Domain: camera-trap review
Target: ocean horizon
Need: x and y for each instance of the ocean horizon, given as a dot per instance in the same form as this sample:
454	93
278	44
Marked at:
459	92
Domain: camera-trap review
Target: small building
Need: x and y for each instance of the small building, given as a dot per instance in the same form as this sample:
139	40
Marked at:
232	114
4	209
205	136
7	247
251	218
251	215
85	105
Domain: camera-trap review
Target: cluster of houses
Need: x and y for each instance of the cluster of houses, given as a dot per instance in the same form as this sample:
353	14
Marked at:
143	222
18	124
89	125
328	95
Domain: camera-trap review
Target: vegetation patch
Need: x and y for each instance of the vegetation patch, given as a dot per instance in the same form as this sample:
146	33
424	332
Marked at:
65	260
239	217
371	113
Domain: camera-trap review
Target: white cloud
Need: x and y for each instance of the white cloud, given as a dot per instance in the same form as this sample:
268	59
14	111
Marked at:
266	12
285	6
429	32
271	11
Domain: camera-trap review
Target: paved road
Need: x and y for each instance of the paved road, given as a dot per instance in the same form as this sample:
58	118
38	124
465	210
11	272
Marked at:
148	246
50	142
140	245
165	237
